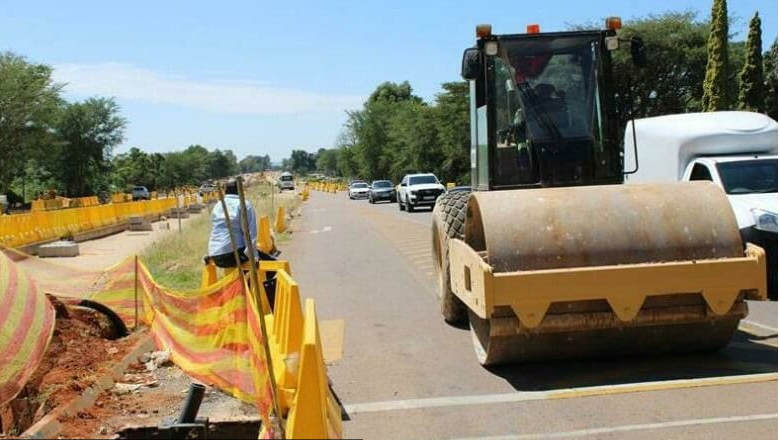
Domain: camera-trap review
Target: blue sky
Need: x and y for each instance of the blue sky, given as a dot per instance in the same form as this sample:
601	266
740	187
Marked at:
263	77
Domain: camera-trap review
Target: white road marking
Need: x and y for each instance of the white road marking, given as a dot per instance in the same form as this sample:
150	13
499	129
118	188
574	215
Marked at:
524	396
327	229
417	252
315	231
630	428
757	325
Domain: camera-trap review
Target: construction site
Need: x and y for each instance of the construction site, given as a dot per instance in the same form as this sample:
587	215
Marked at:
593	272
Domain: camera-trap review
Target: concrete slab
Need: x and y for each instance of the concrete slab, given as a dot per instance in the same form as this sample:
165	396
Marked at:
179	213
142	226
58	249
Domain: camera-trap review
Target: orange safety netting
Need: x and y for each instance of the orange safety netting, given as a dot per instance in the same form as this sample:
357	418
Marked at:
213	334
26	327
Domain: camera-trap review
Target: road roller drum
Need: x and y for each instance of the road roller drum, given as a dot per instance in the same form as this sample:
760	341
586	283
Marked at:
557	273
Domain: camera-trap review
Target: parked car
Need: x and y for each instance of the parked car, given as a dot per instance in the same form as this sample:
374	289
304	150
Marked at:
286	181
206	188
140	193
417	190
381	190
358	190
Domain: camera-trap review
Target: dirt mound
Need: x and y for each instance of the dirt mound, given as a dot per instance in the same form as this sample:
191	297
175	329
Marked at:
78	354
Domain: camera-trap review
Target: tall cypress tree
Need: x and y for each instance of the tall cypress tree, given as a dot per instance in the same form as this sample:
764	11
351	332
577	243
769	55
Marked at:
716	80
751	79
770	80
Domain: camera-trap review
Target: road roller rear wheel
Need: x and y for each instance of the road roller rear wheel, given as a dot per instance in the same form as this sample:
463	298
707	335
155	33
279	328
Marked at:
449	215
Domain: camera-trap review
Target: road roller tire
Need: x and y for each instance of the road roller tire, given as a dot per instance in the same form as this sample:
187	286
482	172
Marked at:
449	219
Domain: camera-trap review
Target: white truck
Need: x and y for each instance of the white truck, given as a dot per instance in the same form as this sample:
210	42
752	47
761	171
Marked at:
416	190
735	150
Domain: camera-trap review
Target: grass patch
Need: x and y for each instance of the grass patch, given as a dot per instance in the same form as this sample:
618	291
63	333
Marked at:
176	261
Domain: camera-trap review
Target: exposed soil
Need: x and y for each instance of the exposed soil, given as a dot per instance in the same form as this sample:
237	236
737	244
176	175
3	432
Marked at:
160	397
78	354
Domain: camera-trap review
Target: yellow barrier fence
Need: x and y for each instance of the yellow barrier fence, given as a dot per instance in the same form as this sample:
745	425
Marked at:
23	229
304	395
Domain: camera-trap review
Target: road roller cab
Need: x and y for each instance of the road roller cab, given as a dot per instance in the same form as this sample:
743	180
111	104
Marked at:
550	256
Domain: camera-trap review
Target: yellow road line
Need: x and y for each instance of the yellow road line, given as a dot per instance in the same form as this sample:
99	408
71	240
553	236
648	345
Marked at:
662	385
525	396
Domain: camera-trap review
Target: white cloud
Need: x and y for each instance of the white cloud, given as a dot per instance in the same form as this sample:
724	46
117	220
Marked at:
129	82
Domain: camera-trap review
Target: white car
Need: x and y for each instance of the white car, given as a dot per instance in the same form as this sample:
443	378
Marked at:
358	190
417	190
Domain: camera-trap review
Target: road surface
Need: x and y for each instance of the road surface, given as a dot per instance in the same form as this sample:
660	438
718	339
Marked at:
407	374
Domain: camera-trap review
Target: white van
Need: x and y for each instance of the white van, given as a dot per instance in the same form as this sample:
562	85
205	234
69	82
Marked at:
286	181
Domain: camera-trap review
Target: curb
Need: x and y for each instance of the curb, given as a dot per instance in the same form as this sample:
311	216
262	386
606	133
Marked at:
49	426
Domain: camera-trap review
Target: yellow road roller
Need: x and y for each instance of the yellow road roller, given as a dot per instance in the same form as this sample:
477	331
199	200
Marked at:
550	255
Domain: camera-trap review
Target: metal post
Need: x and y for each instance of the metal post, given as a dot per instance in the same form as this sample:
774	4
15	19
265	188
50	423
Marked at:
189	412
234	245
272	196
257	293
136	292
178	208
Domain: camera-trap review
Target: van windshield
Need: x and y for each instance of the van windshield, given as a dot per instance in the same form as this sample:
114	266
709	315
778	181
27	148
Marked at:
749	176
286	178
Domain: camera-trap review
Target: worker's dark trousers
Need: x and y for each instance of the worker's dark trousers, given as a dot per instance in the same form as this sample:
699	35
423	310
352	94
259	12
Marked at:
228	260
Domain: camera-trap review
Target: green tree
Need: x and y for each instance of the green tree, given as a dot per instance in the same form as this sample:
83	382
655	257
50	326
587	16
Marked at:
302	161
221	164
89	130
770	80
132	168
671	82
453	135
328	161
29	103
254	164
751	79
715	87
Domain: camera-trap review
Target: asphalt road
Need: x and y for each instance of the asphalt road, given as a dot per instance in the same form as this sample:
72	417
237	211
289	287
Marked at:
407	374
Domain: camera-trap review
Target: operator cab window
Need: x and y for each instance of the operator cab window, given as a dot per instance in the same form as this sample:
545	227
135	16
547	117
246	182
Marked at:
700	172
548	123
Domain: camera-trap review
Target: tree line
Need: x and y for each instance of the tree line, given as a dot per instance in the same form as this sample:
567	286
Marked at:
693	66
48	143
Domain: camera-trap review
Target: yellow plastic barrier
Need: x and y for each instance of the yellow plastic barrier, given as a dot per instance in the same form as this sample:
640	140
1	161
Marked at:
315	412
279	224
285	330
265	242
